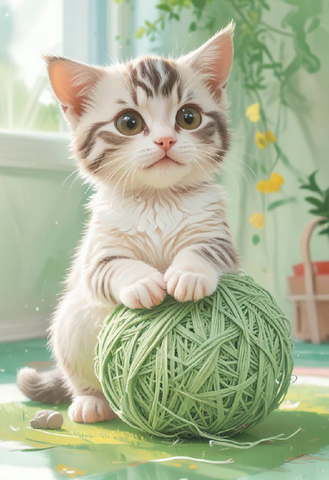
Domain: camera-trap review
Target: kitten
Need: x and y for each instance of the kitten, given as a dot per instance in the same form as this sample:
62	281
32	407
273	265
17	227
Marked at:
149	135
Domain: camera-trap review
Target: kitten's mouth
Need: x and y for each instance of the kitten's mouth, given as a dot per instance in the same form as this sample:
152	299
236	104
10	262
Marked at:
164	162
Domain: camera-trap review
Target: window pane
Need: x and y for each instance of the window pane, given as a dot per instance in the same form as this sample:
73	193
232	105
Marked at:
28	29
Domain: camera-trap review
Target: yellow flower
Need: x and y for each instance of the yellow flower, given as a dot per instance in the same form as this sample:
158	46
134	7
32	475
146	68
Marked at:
270	136
257	220
262	140
253	112
271	185
276	181
264	186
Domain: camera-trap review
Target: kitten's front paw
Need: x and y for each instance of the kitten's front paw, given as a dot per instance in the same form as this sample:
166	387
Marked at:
145	293
185	285
90	409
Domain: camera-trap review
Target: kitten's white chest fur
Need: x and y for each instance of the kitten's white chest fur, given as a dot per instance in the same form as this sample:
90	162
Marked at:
153	224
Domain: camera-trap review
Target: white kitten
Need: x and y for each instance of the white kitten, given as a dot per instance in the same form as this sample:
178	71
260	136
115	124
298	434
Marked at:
149	135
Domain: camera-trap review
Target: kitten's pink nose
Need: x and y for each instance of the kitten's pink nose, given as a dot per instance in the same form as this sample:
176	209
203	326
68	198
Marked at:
165	143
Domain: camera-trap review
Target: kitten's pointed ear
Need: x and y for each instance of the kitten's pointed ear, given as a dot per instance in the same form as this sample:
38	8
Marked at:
72	83
214	58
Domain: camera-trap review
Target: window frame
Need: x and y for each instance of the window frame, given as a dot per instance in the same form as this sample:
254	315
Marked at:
84	40
35	150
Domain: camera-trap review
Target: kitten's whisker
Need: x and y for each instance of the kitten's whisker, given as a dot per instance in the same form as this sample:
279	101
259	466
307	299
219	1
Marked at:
133	178
244	153
112	174
130	169
235	181
239	138
213	153
207	174
242	163
118	182
111	162
247	179
75	179
85	193
66	179
226	166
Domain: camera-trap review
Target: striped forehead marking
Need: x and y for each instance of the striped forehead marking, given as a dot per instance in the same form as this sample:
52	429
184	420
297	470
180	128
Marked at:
156	76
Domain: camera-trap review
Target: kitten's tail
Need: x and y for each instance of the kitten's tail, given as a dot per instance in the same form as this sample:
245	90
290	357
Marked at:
45	387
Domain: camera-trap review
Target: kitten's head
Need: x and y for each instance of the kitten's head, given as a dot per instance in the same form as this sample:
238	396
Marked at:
149	122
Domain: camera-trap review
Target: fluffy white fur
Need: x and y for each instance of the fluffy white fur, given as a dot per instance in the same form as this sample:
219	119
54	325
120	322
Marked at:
151	229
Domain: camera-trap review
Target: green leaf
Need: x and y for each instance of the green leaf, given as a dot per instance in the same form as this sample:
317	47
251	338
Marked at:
314	201
293	67
164	7
192	27
325	231
326	199
309	61
313	25
210	24
271	65
312	180
149	24
318	211
312	185
279	203
307	187
265	4
255	239
140	32
199	3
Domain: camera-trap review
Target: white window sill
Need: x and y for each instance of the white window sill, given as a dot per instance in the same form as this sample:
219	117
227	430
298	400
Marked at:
41	151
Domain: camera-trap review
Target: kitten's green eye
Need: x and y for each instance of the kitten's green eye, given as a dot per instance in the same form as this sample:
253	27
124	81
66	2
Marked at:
188	118
130	123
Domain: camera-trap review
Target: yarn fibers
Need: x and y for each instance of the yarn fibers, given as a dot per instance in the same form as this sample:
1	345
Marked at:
211	368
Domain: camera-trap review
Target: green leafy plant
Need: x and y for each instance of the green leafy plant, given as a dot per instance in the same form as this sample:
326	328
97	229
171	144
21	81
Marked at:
319	202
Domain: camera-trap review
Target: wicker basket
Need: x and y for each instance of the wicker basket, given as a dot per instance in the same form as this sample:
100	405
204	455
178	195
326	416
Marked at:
310	294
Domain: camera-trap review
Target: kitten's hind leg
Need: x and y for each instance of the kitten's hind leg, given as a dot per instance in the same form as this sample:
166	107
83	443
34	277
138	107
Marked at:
90	409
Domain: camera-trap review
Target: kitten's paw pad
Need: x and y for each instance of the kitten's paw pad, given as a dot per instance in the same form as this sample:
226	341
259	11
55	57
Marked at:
185	286
145	293
90	409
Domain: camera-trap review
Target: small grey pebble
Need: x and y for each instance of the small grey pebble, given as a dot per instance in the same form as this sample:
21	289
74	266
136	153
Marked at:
47	419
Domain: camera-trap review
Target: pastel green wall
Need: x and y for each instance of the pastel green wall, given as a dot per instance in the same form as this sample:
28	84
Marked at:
41	220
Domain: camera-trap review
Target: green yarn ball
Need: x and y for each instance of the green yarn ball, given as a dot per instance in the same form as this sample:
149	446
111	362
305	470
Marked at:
210	369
